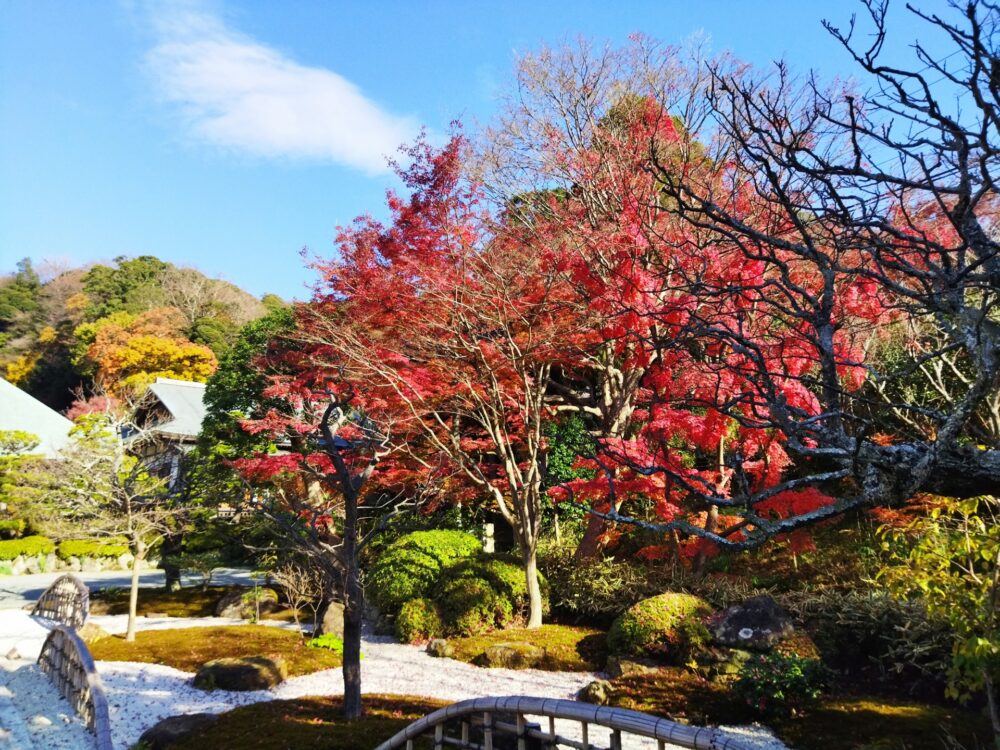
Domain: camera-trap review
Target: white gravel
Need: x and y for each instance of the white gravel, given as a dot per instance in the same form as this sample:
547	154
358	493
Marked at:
139	695
32	714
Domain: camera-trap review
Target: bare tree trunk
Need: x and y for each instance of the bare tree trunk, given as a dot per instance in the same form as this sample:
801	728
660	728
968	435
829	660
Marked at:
991	702
138	555
590	542
353	610
530	557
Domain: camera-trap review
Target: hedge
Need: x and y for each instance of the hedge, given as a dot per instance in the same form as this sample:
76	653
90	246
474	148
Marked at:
410	566
30	546
91	548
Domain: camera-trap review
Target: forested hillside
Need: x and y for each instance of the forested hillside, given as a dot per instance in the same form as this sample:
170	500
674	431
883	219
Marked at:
118	326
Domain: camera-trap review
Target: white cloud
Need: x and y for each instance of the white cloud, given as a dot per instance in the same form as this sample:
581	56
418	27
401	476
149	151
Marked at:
237	93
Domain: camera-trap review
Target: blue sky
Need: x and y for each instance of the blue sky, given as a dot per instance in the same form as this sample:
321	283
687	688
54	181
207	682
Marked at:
229	135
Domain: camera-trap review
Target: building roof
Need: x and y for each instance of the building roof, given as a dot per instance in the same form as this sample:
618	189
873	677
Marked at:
22	411
185	402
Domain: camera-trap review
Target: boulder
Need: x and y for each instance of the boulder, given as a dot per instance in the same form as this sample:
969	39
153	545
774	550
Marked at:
333	620
74	564
240	604
33	565
19	566
125	561
90	564
166	732
441	648
241	673
721	664
597	692
756	624
90	632
618	666
513	655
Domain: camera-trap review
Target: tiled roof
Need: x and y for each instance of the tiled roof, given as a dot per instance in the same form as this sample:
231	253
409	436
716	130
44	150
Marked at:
184	401
22	411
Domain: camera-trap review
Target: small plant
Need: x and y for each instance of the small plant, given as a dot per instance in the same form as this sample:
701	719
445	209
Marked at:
776	684
202	563
330	642
419	620
12	528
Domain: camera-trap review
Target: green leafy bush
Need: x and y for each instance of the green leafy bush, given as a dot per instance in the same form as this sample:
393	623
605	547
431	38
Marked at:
329	642
774	684
91	548
505	577
667	626
410	566
12	528
30	546
471	606
419	620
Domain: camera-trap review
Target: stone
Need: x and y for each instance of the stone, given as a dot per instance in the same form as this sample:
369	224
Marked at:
756	624
441	648
90	564
721	664
33	565
173	729
13	654
41	721
241	673
125	561
618	666
239	604
513	655
74	564
19	566
332	620
91	632
597	692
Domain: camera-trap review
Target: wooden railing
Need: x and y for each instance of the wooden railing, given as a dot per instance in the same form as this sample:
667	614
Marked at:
512	722
66	659
66	601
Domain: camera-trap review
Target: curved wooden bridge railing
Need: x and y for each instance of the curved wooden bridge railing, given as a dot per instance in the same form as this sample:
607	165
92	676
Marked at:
66	601
493	723
66	659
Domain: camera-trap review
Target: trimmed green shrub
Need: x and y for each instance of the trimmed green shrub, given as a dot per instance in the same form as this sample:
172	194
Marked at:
667	626
471	606
12	528
505	577
30	546
91	548
419	620
775	684
410	566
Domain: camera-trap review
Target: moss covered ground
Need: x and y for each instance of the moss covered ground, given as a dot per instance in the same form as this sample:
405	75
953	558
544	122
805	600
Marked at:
569	648
188	648
310	723
187	602
834	722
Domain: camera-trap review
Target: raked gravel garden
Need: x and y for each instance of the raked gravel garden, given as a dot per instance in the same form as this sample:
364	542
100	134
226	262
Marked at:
141	694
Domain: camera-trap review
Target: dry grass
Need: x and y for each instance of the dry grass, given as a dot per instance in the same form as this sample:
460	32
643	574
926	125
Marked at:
569	648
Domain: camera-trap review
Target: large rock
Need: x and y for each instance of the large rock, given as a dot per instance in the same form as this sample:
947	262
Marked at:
513	655
333	620
166	732
441	648
242	673
756	624
240	604
721	664
91	632
597	692
618	666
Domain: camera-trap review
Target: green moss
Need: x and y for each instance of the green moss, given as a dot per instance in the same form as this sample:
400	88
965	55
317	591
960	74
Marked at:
568	648
30	546
328	641
667	626
186	602
411	565
90	548
419	620
188	649
310	723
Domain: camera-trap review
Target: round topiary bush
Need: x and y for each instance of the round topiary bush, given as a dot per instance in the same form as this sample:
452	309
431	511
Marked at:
419	620
505	577
471	606
411	565
666	627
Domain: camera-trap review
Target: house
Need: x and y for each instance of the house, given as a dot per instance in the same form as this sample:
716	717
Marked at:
169	419
22	411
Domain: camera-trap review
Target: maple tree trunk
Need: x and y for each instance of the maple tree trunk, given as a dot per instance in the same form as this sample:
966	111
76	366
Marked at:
534	588
353	611
138	554
590	542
